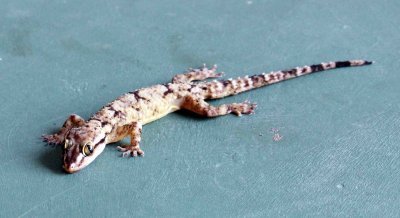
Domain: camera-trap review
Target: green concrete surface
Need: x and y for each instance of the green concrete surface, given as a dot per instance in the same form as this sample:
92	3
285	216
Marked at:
339	152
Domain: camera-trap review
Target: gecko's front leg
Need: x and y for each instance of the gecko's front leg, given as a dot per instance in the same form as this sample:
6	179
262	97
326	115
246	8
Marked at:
134	148
58	138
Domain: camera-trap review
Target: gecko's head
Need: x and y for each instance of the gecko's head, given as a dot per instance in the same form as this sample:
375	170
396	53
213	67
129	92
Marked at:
82	146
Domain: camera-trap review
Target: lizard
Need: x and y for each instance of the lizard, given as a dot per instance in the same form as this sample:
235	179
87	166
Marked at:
84	140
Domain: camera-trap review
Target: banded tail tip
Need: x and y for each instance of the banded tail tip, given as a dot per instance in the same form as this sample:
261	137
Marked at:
350	63
360	62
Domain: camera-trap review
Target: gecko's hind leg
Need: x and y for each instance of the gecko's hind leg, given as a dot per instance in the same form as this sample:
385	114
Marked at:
201	107
58	138
197	74
136	136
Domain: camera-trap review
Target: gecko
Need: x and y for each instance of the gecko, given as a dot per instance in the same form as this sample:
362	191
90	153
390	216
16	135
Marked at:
85	140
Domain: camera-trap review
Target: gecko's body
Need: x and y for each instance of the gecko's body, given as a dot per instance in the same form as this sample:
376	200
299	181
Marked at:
85	140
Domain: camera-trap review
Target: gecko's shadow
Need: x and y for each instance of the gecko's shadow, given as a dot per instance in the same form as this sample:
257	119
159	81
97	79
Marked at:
193	116
190	115
51	158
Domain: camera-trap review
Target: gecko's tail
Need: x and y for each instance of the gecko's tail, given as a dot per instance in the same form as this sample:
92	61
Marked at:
223	88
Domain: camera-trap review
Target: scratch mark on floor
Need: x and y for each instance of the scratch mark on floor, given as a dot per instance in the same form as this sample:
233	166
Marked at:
48	200
14	126
10	161
217	183
43	202
5	107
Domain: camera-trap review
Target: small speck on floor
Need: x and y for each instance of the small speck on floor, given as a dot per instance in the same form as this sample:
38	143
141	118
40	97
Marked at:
340	186
276	137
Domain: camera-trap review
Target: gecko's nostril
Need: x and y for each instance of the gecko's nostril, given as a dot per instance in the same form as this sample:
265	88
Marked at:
70	169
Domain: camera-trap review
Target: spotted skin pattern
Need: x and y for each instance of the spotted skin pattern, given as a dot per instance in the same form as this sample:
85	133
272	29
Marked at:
125	116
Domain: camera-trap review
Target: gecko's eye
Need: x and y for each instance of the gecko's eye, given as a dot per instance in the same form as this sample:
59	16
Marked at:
87	150
66	144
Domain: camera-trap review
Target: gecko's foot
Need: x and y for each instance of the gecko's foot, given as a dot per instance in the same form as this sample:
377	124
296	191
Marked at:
242	108
212	73
209	72
54	139
130	150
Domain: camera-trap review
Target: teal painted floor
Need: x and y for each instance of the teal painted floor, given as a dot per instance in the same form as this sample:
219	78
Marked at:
339	152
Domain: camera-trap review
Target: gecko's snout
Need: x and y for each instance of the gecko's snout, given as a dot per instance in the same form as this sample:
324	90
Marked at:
70	169
78	164
77	157
73	161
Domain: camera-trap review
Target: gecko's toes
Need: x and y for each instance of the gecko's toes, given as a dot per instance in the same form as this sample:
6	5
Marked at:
251	108
243	108
219	74
130	151
126	154
122	149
